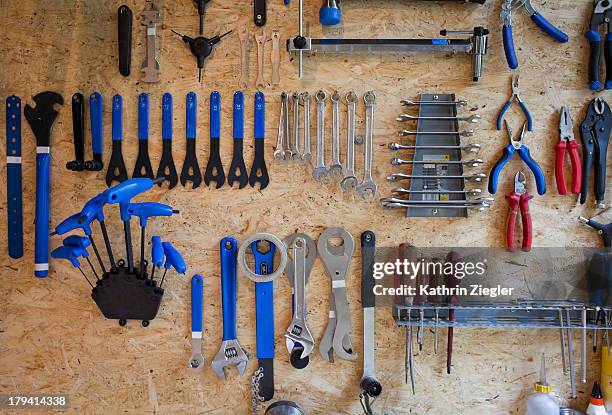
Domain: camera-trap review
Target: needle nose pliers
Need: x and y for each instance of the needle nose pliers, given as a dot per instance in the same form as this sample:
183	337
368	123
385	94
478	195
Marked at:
508	6
567	142
519	198
515	97
601	14
524	154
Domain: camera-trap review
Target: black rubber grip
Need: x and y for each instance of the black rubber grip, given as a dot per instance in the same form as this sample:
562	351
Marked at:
368	257
259	12
124	31
594	58
608	57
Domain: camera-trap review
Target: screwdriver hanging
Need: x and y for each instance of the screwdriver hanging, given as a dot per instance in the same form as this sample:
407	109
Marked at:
201	47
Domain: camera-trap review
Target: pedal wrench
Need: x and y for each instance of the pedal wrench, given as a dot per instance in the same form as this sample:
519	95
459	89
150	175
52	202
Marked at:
259	172
298	331
350	180
143	163
307	155
230	353
335	167
237	171
368	183
337	260
191	169
116	166
167	169
214	168
320	171
196	361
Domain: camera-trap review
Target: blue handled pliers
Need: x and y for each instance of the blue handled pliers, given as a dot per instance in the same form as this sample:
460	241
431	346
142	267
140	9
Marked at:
515	96
524	154
508	6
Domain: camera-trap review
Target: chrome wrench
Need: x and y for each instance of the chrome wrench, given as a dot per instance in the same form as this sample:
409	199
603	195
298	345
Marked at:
307	154
350	180
196	361
368	183
283	128
320	171
295	142
335	167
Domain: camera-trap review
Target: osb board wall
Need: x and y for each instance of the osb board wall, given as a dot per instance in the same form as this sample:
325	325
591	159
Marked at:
53	338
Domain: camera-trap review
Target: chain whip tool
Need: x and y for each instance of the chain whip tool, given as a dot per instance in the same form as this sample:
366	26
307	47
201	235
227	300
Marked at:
350	180
320	171
307	154
196	361
335	167
368	183
255	397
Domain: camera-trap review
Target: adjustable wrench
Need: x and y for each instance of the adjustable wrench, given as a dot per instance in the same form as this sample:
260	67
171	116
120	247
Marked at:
307	154
335	168
196	361
368	183
295	143
320	171
336	260
230	353
298	332
350	180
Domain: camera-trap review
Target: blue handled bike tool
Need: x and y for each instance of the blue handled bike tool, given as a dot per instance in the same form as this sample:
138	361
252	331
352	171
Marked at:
214	168
166	169
78	132
68	253
237	171
259	172
230	353
515	97
174	259
95	116
116	166
143	163
157	255
41	119
196	360
191	168
14	197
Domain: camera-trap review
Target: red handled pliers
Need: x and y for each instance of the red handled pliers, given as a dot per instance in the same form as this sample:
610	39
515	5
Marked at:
566	141
519	198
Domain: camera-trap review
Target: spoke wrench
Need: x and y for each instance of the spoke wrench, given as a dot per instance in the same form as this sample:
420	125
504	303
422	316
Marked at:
196	361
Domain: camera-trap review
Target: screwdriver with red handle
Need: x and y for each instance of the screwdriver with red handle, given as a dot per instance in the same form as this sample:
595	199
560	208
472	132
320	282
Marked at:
567	143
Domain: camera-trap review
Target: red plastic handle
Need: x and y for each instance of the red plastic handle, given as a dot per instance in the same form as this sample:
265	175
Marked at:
576	167
559	167
526	219
513	201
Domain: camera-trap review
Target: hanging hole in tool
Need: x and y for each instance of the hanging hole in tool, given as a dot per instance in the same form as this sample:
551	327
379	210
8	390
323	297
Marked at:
122	322
263	247
335	241
228	245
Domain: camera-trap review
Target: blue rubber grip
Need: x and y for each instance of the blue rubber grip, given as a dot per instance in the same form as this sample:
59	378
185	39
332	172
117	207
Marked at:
173	258
94	209
157	252
95	117
497	168
124	192
143	117
190	111
264	302
71	223
500	116
509	47
41	230
260	115
14	192
238	115
329	16
527	115
167	116
197	293
117	117
548	28
215	114
65	252
76	241
535	169
229	249
145	210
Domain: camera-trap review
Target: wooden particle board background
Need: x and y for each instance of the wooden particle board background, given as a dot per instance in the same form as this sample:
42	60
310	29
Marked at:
53	338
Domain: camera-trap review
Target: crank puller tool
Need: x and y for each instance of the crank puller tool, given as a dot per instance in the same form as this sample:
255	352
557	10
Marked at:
230	353
124	35
78	131
143	163
370	387
191	168
157	255
201	47
41	119
259	12
237	171
264	317
166	169
214	168
259	172
201	5
196	360
95	117
116	166
14	196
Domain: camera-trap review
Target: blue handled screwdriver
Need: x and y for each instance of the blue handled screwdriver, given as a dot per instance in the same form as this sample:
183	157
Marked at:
157	254
65	252
173	260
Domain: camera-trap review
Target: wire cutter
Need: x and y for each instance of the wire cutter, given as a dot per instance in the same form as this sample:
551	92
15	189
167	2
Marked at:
524	154
595	134
601	14
567	142
515	96
508	6
519	198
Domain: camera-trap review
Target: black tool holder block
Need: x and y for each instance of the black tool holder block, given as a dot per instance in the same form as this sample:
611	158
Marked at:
123	296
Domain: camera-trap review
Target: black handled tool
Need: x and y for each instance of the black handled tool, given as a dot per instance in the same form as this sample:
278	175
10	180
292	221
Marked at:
116	166
214	168
143	163
601	16
78	131
201	5
259	172
191	169
259	12
237	171
124	35
166	169
201	47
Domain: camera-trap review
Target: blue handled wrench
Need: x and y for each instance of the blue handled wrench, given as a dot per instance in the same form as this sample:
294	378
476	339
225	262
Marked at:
196	360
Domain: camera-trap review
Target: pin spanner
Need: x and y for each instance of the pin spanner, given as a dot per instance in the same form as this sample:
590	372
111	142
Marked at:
335	167
196	361
368	183
350	180
298	332
230	353
320	171
336	260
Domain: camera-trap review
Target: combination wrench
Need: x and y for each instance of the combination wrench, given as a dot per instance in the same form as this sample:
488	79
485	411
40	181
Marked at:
305	100
295	142
196	361
350	180
320	171
368	183
282	151
468	118
335	167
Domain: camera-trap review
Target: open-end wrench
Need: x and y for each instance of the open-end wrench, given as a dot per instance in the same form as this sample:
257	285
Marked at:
283	128
230	353
468	163
464	133
196	361
474	118
368	183
335	168
468	148
336	260
305	100
320	171
349	179
476	178
295	139
298	332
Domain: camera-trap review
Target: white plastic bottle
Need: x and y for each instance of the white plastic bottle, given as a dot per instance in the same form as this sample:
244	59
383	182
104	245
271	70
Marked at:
542	402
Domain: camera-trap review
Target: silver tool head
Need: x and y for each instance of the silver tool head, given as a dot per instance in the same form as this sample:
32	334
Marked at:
520	183
196	362
230	354
566	125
